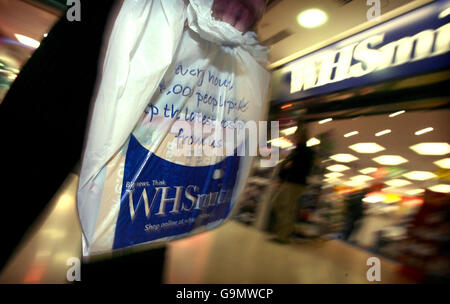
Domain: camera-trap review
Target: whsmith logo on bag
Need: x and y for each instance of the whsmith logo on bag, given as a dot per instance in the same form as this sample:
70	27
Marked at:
185	199
367	56
172	200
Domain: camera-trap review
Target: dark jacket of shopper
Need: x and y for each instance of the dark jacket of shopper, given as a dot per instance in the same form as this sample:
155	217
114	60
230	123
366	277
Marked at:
297	166
43	119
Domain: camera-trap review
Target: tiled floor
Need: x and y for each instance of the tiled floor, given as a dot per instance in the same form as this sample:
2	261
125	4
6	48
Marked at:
54	238
238	254
233	253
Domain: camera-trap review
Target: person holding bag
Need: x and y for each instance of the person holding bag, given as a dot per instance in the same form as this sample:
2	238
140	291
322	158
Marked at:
44	115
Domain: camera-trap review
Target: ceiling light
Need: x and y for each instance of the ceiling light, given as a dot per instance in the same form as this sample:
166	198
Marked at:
390	160
390	189
415	191
312	142
430	148
443	163
333	175
361	178
444	13
289	131
45	35
325	120
343	158
397	113
27	41
373	199
419	175
384	132
337	168
355	184
367	148
351	134
368	170
311	18
397	182
281	142
440	188
423	131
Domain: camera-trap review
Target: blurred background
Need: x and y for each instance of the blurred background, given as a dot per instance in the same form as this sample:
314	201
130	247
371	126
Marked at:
380	180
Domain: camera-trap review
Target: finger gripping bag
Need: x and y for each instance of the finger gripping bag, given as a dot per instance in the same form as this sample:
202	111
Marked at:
160	72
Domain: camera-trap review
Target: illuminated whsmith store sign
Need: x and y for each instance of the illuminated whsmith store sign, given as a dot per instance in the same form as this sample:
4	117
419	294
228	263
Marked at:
414	43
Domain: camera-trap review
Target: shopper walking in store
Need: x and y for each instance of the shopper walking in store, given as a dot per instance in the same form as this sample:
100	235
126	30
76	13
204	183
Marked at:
355	212
293	176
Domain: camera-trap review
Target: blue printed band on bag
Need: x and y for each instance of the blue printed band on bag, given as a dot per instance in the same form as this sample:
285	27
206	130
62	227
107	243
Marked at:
163	199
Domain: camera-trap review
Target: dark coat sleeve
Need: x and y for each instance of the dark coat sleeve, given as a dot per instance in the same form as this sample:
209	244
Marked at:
43	119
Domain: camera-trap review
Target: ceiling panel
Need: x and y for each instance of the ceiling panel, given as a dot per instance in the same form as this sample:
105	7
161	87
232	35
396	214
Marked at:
281	17
25	18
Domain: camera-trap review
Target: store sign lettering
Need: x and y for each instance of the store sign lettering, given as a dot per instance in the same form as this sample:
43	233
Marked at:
370	56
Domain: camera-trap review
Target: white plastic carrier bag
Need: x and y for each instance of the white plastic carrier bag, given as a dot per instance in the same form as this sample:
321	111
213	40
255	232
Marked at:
162	78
